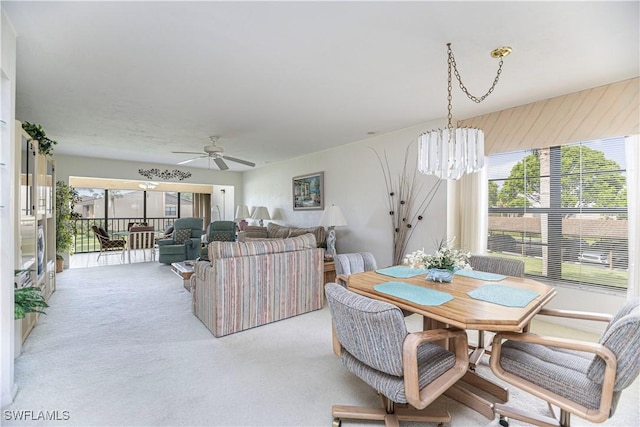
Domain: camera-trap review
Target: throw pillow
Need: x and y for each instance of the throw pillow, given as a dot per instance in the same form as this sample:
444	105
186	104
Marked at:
295	232
168	231
182	236
276	231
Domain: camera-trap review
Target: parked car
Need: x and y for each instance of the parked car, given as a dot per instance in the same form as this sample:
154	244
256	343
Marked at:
594	257
572	248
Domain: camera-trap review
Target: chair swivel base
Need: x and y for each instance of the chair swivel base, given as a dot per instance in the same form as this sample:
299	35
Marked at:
563	419
391	419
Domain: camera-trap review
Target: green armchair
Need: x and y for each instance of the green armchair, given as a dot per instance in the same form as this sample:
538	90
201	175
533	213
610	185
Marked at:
184	243
219	231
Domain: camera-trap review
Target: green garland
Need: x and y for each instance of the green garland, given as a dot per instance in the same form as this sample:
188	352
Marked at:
45	144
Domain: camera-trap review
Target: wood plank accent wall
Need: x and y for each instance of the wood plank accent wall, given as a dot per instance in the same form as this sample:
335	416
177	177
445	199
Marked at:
602	112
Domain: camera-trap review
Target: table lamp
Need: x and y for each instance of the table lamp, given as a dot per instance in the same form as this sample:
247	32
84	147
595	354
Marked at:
332	217
260	213
242	213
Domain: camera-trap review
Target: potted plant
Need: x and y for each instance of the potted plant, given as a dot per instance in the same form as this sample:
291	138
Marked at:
66	198
443	264
45	144
27	300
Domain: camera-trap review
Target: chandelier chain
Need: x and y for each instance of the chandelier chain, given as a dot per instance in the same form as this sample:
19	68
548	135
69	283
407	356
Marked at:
449	98
477	100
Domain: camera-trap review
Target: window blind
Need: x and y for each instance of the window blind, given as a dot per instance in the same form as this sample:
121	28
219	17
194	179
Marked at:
563	210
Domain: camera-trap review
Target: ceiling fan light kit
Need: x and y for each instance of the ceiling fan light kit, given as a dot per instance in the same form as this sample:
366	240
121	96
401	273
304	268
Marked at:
450	153
216	153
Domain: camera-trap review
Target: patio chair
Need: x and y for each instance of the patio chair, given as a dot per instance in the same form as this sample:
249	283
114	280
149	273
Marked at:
136	224
142	238
401	367
184	243
109	245
581	378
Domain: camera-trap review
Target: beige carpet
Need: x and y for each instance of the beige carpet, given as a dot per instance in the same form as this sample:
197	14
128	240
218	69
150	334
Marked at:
120	347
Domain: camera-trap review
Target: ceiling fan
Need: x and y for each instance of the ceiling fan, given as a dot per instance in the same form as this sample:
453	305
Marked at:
214	152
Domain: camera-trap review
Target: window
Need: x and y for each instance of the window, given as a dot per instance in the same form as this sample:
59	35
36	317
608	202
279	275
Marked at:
171	211
563	210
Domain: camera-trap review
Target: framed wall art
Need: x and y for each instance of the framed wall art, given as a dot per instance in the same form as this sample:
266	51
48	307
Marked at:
308	192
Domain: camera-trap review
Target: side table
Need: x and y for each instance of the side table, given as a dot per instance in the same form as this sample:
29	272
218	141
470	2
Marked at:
184	269
329	272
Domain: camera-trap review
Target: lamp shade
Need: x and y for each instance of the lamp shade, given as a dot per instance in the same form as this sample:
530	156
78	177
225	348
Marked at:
242	212
332	217
260	212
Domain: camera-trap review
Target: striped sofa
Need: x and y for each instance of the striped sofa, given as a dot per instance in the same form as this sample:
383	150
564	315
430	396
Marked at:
248	284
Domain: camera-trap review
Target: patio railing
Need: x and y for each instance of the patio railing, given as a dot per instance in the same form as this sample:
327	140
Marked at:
85	240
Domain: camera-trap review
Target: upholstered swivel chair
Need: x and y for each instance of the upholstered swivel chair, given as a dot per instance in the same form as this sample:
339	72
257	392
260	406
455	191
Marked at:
224	231
580	378
497	265
348	264
184	243
109	245
402	367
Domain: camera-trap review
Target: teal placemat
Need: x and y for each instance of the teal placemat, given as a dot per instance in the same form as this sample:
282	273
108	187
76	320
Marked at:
504	295
481	275
413	293
402	271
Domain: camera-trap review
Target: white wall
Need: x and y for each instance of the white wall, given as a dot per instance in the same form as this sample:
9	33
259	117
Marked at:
7	217
353	181
570	298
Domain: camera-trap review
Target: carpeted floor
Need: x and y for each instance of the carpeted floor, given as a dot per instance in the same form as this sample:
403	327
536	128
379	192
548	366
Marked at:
120	347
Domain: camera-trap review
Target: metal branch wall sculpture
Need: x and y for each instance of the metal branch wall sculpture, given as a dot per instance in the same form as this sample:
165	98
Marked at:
165	174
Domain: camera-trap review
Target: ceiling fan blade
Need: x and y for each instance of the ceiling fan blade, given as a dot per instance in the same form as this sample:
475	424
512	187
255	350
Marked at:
221	164
187	152
191	160
244	162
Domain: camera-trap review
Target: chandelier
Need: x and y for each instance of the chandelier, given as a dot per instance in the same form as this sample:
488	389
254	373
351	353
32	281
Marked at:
165	174
449	153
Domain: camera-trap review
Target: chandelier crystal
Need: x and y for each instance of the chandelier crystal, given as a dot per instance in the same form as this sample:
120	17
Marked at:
450	153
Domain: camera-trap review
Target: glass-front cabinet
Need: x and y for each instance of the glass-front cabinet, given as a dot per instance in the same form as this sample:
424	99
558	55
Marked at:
35	251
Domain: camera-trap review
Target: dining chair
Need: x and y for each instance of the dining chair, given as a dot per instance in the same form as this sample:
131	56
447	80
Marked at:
404	368
496	265
348	264
142	238
581	378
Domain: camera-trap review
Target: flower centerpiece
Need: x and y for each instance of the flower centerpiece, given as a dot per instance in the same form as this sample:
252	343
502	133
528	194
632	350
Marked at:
442	264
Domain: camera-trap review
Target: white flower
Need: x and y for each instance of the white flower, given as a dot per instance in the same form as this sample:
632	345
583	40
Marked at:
445	257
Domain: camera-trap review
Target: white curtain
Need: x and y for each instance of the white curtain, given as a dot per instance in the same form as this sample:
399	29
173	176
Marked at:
632	151
467	212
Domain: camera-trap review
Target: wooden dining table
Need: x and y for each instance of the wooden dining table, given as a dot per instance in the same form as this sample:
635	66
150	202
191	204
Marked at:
467	313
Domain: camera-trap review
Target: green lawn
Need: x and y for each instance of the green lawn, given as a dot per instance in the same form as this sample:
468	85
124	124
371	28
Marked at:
576	272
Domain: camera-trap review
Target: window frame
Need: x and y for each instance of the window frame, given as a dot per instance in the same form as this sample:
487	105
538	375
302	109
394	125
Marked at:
555	213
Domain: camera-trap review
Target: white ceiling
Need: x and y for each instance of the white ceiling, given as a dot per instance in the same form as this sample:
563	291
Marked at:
278	80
